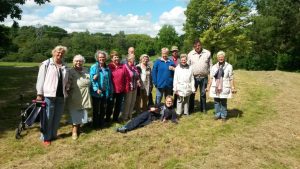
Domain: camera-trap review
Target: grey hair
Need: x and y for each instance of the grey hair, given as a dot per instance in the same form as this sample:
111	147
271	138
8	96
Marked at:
131	57
78	57
142	57
183	55
165	49
59	48
100	52
221	53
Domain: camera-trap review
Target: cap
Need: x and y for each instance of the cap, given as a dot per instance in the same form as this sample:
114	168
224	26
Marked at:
174	48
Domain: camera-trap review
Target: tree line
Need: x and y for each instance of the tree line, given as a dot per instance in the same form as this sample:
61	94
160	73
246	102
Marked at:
255	34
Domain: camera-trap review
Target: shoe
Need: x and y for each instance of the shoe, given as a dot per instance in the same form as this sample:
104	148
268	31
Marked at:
175	121
122	130
216	118
47	143
224	119
74	136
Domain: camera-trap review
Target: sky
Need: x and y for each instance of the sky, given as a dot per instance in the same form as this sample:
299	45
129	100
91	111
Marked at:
106	16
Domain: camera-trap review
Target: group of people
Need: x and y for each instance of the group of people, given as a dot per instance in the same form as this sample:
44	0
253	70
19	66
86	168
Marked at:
115	90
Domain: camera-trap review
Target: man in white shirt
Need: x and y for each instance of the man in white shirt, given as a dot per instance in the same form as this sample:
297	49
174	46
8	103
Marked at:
201	62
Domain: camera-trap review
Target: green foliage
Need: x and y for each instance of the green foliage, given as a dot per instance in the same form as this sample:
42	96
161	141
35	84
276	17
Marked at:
276	32
167	37
12	8
219	24
5	41
142	43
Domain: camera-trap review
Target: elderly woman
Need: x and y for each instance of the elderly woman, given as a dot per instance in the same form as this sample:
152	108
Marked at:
131	84
118	72
101	88
183	85
221	85
79	99
146	84
51	86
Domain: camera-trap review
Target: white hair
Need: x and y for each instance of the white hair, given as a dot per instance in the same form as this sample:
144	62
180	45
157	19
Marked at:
221	53
98	52
59	48
78	57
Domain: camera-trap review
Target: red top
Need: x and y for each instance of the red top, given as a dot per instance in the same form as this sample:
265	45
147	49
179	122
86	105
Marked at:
118	75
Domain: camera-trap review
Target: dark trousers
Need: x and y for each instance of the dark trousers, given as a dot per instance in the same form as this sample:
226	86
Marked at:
202	83
98	111
141	120
150	99
114	105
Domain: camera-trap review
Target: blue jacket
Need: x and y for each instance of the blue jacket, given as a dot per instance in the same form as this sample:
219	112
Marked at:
103	81
162	77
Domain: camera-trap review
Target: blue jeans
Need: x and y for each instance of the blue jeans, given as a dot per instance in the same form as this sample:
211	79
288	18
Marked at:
202	83
220	108
54	110
160	92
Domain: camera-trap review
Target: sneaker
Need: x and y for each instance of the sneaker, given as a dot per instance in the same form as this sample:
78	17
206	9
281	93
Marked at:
47	143
122	130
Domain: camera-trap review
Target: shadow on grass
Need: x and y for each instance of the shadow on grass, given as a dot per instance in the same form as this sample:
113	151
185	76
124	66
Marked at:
234	113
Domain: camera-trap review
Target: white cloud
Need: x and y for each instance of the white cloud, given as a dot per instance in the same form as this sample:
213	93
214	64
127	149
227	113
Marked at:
79	17
75	2
175	17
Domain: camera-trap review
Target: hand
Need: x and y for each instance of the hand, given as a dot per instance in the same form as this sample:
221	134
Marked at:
99	91
39	97
233	90
207	89
152	109
95	77
171	68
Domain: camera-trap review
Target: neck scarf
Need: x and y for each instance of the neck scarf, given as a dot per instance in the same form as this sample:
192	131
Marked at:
219	78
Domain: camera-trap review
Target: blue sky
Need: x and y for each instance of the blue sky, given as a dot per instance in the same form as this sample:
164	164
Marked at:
141	7
106	16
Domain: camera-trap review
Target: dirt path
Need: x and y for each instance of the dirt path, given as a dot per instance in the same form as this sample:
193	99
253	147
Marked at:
275	143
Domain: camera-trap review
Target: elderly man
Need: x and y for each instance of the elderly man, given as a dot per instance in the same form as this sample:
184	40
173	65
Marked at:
201	62
175	58
174	55
162	75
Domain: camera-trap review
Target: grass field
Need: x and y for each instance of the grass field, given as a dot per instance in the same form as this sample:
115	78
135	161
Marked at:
263	131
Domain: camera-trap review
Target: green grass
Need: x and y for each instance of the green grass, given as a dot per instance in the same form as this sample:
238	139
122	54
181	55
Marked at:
246	140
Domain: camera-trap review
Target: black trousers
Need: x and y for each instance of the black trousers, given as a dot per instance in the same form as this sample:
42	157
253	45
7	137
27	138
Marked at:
98	111
114	107
141	120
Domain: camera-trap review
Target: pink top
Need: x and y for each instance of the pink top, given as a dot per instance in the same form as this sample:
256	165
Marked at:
118	75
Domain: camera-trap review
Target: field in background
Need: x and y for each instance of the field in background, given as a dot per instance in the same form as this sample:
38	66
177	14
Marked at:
262	131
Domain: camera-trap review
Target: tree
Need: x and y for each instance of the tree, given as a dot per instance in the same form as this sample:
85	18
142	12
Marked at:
12	8
5	41
166	37
220	24
276	31
141	43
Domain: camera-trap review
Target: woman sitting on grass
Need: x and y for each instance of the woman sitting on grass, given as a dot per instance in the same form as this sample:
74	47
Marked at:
164	112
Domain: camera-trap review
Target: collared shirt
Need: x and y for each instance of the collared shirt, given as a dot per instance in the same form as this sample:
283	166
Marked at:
200	63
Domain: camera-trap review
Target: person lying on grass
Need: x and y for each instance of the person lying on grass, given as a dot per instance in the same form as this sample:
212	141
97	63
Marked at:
164	112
